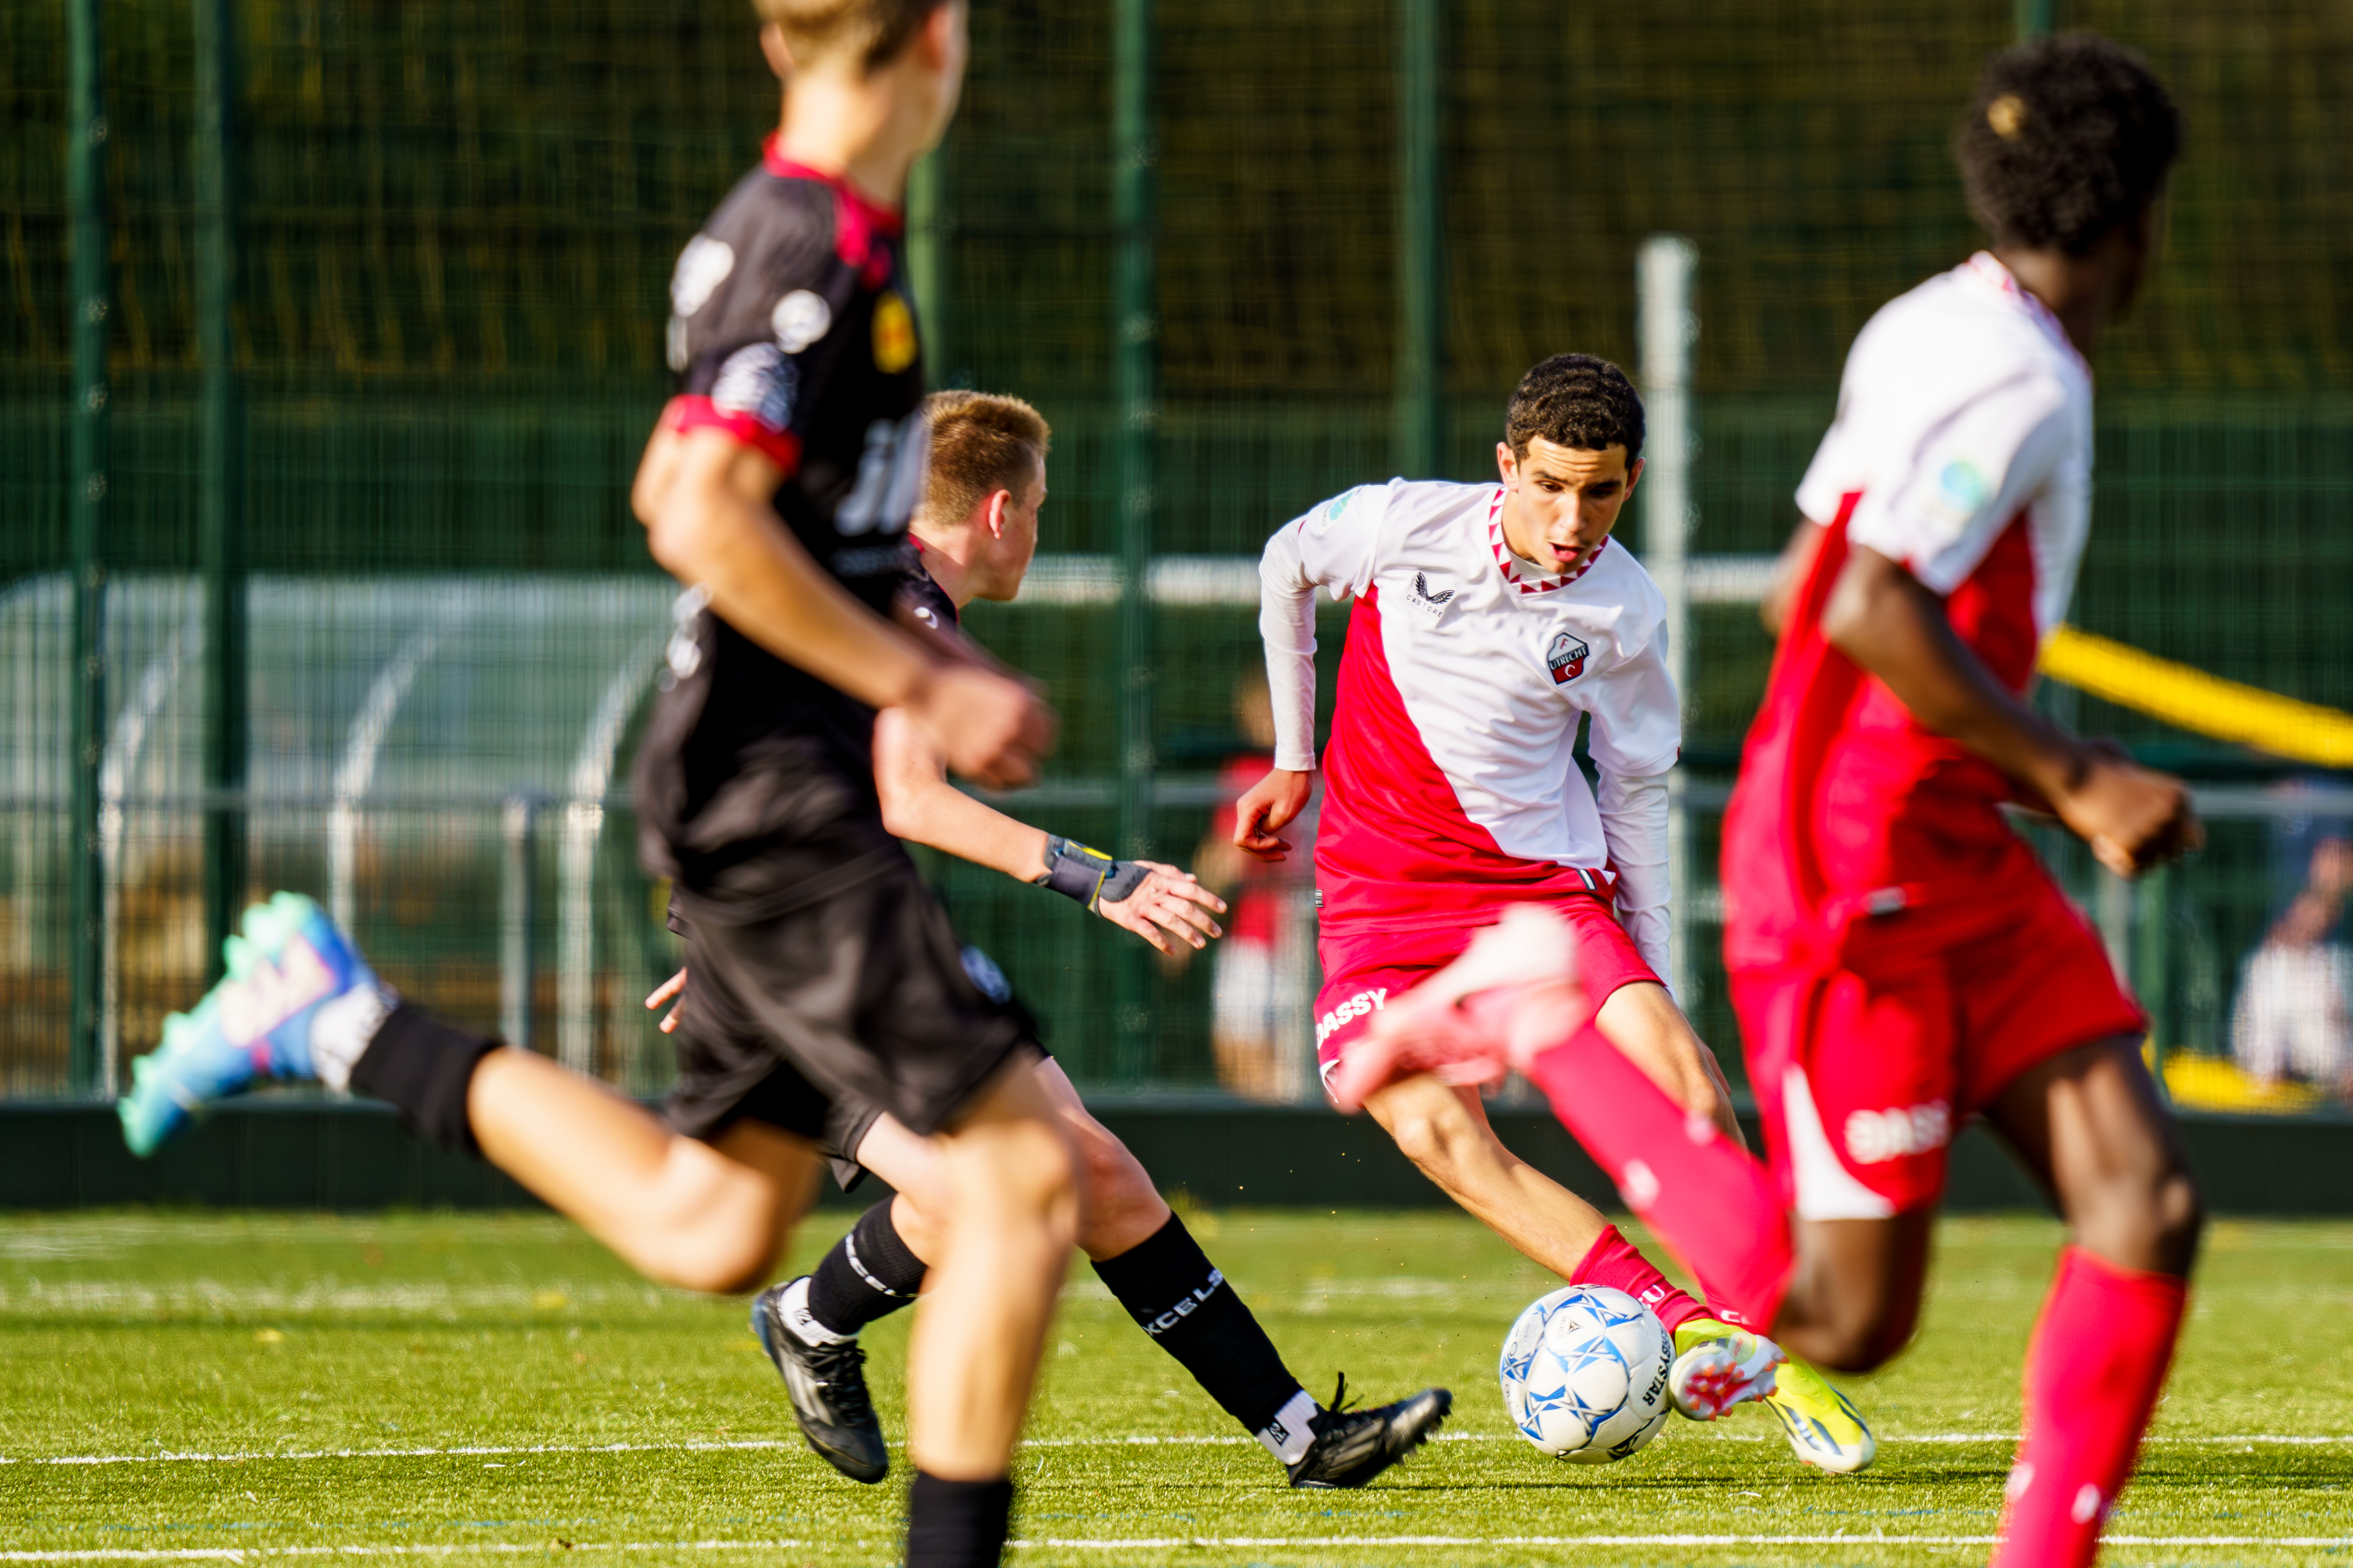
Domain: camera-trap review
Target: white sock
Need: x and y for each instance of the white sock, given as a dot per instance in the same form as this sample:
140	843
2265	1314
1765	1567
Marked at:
1288	1436
793	1306
341	1030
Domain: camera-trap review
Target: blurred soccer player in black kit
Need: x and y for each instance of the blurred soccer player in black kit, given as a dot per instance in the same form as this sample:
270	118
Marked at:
817	951
978	530
777	488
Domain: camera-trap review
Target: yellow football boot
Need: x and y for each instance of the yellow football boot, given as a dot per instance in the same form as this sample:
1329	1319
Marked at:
1718	1366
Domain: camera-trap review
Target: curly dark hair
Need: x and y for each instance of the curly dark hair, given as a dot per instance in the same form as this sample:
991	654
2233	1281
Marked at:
1576	400
2064	140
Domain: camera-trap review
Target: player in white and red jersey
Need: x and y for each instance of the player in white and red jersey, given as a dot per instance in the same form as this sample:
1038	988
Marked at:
1489	621
1899	958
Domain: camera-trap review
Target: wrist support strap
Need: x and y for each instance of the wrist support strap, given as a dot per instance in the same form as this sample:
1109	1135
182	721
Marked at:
1088	875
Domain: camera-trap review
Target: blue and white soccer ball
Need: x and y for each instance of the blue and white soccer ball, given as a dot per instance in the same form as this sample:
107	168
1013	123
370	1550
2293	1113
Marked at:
1585	1374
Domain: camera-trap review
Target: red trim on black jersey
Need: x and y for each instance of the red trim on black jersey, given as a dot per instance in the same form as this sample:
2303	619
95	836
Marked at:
689	411
857	218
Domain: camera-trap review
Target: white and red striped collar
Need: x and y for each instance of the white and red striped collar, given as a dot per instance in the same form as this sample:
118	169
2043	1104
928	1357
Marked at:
1509	563
1987	268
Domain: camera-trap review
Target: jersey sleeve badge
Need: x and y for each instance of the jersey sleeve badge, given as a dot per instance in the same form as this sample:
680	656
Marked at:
800	319
1566	658
758	381
894	333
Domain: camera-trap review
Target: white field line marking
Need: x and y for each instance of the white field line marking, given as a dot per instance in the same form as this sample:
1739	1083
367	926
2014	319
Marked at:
1130	1543
454	1549
1844	1539
1137	1440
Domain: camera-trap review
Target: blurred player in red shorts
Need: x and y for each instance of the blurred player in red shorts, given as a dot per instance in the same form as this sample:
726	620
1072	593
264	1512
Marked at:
1489	621
1259	1000
1900	960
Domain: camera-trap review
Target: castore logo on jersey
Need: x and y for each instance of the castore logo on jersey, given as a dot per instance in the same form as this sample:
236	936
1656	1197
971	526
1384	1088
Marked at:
1419	599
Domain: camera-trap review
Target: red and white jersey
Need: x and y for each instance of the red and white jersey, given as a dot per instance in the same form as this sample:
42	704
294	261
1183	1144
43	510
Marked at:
1451	783
1963	449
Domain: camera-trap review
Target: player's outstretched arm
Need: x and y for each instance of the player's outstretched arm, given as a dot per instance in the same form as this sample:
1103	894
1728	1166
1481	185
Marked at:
705	500
1164	906
1887	621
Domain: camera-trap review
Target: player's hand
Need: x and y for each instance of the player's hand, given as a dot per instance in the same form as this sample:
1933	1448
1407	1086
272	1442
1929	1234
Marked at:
991	729
1266	807
2133	818
1169	906
675	986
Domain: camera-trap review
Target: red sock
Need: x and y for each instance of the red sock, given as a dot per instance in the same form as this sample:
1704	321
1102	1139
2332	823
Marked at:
2099	1356
1713	1206
1616	1262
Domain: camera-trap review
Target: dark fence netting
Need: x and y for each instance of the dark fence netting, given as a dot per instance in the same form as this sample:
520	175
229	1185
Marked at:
457	224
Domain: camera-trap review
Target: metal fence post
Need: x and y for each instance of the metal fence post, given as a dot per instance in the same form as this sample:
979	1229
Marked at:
1669	328
1419	432
86	179
221	504
1136	338
927	260
518	912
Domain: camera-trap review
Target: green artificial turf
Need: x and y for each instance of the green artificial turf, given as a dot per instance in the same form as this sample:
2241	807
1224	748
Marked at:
303	1355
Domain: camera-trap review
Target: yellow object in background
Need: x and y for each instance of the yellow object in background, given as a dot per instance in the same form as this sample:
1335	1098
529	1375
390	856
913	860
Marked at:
2214	1083
2118	673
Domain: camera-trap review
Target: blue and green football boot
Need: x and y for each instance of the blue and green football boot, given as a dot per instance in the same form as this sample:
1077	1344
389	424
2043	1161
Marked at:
256	1024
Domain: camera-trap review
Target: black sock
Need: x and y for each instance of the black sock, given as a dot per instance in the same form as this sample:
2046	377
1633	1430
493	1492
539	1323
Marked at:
1167	1285
957	1524
422	1066
868	1274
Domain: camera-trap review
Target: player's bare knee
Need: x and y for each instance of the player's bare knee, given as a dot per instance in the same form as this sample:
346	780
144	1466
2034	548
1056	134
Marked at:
2147	1220
2180	1213
723	1259
1429	1142
1430	1126
1118	1192
1014	1169
1857	1335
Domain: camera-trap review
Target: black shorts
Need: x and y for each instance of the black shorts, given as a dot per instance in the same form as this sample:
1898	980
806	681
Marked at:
702	1105
819	1019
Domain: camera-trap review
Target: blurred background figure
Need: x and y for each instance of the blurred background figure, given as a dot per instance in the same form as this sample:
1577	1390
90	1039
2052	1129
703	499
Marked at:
1266	974
2293	1017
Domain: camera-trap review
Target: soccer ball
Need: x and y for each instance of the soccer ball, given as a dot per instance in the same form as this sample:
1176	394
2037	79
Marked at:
1585	1374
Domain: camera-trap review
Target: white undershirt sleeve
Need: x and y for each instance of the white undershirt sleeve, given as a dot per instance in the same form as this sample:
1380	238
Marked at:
1286	621
1634	830
1331	546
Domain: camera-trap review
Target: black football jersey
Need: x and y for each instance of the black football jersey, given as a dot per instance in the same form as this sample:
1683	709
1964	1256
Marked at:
792	330
924	598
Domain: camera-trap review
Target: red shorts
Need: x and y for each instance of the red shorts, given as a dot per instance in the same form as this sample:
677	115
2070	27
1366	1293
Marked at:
1865	1065
1364	968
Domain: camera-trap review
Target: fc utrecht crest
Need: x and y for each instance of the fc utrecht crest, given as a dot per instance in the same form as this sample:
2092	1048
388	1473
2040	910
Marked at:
1565	659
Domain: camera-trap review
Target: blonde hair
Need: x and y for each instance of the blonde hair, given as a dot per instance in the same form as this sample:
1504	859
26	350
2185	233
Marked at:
872	30
981	442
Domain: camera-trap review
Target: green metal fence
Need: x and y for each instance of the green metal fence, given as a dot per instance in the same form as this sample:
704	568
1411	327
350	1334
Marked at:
1241	256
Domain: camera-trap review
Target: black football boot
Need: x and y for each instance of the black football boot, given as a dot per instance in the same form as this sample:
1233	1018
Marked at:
1352	1447
828	1386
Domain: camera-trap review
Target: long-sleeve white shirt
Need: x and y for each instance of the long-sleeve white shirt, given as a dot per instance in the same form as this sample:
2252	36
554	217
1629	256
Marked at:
1451	783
